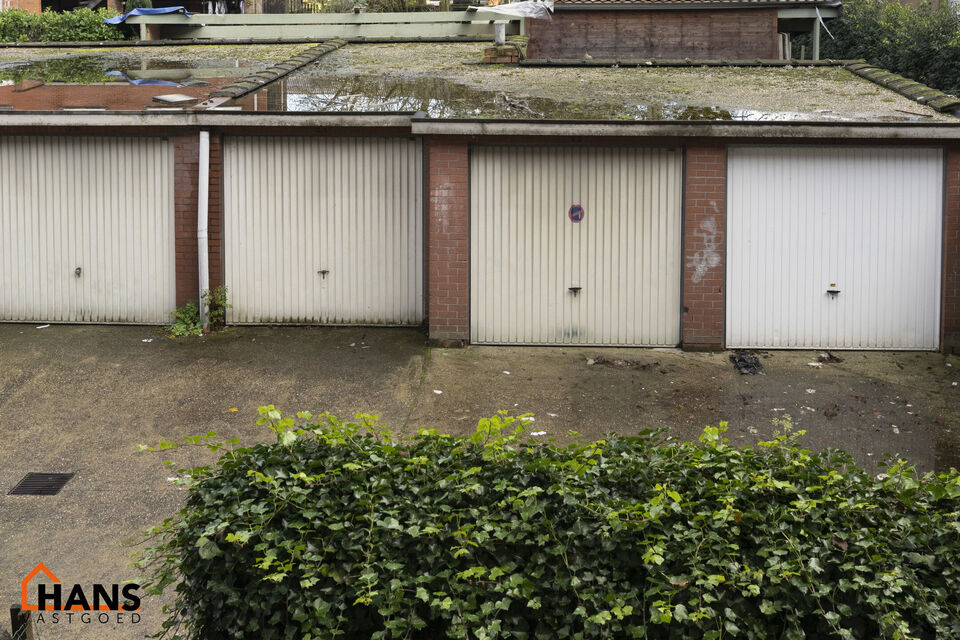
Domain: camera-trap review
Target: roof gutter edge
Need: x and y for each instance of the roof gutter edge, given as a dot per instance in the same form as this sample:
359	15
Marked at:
920	131
689	4
224	118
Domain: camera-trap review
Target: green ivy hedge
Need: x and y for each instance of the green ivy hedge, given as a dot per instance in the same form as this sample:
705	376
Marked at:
922	44
338	530
80	25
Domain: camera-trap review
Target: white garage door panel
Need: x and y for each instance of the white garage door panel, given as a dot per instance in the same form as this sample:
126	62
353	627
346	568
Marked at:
867	220
624	255
103	204
295	207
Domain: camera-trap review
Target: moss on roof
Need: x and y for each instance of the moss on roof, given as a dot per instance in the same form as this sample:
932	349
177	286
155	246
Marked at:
433	77
199	55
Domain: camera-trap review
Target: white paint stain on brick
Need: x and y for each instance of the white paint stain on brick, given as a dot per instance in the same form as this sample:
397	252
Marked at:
708	257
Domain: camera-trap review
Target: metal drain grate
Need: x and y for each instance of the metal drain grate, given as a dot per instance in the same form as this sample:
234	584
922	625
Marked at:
41	484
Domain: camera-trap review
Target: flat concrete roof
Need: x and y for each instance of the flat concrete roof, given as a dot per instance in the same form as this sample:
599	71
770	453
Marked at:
384	85
434	78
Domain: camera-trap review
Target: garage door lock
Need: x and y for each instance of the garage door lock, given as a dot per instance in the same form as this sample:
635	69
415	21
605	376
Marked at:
77	271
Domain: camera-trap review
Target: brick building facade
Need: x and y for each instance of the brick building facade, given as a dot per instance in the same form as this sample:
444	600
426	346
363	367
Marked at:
623	34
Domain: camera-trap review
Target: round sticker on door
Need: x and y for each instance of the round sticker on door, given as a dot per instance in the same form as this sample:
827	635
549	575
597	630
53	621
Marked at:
576	213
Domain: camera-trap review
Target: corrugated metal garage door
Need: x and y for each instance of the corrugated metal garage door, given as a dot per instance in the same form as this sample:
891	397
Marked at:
323	230
866	222
528	257
103	205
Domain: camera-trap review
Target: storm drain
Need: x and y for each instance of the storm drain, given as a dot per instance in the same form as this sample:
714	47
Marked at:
41	484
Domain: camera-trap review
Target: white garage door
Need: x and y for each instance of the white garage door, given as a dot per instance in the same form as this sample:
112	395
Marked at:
86	229
834	247
323	230
539	277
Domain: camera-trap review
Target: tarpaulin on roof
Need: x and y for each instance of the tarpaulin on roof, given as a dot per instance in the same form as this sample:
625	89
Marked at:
147	12
143	82
526	9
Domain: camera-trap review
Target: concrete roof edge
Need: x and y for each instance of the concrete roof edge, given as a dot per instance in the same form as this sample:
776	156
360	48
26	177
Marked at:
692	4
851	130
419	125
200	119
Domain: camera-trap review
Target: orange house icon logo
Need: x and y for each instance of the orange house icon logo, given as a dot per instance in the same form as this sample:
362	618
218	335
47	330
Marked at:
26	581
50	597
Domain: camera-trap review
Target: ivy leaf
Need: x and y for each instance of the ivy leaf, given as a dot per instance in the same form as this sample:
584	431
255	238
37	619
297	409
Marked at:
207	548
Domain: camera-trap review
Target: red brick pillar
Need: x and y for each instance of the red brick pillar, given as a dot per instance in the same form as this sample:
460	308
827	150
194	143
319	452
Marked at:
705	187
215	211
448	242
185	177
950	318
186	167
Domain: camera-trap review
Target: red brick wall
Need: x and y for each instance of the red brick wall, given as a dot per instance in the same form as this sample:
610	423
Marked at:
950	324
742	34
704	245
186	177
33	6
448	240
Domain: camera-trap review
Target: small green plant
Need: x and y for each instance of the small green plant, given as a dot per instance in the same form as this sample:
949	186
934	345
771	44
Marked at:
186	321
217	305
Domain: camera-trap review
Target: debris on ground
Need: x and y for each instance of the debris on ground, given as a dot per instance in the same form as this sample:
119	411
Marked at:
503	101
811	391
826	356
817	365
44	326
746	364
625	364
437	391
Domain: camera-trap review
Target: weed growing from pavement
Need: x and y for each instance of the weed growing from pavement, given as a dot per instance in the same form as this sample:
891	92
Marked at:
186	319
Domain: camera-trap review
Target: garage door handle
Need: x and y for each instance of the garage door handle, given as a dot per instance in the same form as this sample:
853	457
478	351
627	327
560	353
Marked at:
574	290
833	292
323	273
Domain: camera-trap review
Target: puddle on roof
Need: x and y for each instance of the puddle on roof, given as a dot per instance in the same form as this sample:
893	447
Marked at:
110	82
442	98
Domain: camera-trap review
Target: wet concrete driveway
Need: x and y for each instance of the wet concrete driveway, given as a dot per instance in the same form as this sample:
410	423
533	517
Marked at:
80	398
